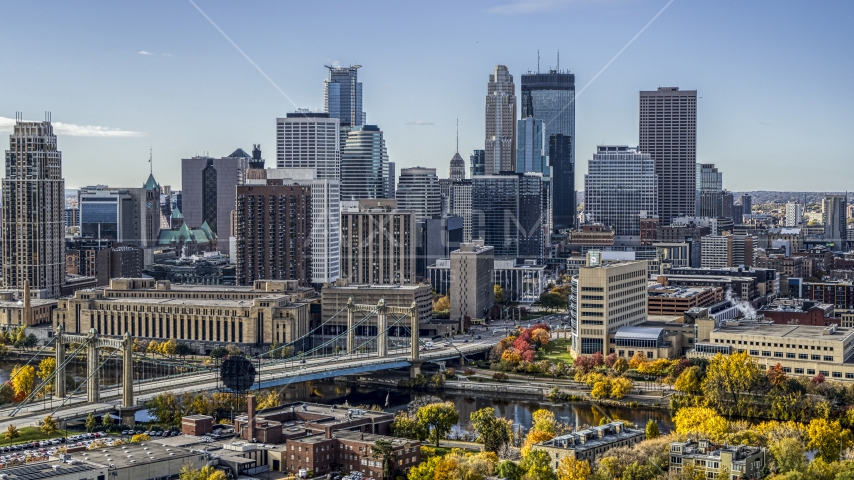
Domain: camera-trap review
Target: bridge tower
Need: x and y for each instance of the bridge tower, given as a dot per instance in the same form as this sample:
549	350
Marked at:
92	343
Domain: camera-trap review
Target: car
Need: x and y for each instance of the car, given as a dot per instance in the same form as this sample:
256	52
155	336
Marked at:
125	432
466	341
167	434
477	337
302	360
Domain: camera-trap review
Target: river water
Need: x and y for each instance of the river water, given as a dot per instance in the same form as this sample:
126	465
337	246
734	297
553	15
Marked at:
517	408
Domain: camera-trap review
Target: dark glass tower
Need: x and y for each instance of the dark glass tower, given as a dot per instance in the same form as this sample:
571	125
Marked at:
550	97
477	163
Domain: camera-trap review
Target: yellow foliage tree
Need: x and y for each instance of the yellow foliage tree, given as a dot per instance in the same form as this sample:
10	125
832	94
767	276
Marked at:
571	469
620	387
701	421
729	379
139	437
637	360
543	421
442	304
829	438
511	356
689	380
534	437
656	367
270	400
168	348
23	380
601	389
540	335
46	368
153	347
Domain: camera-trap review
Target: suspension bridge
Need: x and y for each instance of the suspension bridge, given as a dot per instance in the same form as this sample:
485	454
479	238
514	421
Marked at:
143	377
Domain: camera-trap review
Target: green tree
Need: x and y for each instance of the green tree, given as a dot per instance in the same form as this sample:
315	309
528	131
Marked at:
537	466
789	455
218	353
11	433
48	426
91	423
508	469
439	418
182	350
107	420
621	365
652	430
7	393
384	450
492	432
407	426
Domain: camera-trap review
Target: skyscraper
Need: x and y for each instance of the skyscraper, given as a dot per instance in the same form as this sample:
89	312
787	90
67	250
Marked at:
531	148
794	214
500	143
365	169
668	133
620	185
834	210
418	192
378	244
33	236
506	212
342	97
208	192
710	190
477	163
458	165
550	97
309	140
746	204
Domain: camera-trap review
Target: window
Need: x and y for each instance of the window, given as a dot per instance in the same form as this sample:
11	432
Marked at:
810	371
766	353
778	354
837	374
799	370
828	358
787	369
803	356
824	372
754	353
790	355
849	375
815	357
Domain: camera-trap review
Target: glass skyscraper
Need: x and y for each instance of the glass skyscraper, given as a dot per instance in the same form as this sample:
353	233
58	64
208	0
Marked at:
365	169
550	97
620	185
531	147
506	212
477	163
710	189
342	95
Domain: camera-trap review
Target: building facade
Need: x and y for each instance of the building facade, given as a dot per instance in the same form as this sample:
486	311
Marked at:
507	213
500	145
710	189
418	192
378	244
531	147
472	292
202	315
668	133
620	187
477	163
365	169
273	233
550	97
208	191
794	214
834	211
342	98
591	443
33	239
309	140
716	461
607	296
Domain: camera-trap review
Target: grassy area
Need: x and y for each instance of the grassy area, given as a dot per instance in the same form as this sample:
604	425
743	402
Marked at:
30	434
556	350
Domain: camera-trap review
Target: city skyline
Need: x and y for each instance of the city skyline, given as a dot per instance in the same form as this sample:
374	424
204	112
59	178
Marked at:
159	90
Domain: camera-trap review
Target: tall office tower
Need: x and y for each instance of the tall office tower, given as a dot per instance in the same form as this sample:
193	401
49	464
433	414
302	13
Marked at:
477	163
472	283
743	253
273	232
208	192
390	188
461	193
605	297
834	210
531	147
794	214
746	204
33	237
365	169
710	189
550	97
500	143
378	244
309	140
668	133
342	98
620	187
727	201
418	192
325	219
506	212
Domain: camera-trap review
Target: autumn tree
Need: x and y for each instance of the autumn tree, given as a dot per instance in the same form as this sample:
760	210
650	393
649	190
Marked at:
139	438
11	433
23	380
499	293
637	360
542	428
776	375
270	400
46	368
689	381
829	438
439	419
571	469
492	432
789	455
48	426
621	366
701	420
168	348
620	387
537	466
730	380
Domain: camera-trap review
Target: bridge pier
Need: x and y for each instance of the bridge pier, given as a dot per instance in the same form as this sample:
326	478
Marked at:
382	329
351	326
59	380
415	348
93	390
415	369
127	371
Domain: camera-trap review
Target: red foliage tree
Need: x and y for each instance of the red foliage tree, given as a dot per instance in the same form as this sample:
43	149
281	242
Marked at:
583	364
610	360
680	367
598	359
528	356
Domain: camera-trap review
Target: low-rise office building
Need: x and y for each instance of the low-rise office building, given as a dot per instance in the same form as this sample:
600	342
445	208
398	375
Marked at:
591	443
712	461
797	311
334	300
678	300
201	315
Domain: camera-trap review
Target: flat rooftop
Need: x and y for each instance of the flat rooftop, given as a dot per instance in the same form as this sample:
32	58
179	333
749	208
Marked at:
804	332
40	470
202	302
658	290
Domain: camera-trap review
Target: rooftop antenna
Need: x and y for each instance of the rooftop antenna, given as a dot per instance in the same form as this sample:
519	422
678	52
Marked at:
458	135
150	165
558	60
538	61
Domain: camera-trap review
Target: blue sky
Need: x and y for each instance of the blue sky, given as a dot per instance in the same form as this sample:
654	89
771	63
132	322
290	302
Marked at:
775	78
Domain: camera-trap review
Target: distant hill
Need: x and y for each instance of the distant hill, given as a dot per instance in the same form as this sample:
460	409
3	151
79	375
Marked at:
767	196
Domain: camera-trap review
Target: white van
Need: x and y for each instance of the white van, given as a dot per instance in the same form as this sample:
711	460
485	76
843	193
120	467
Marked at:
428	344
